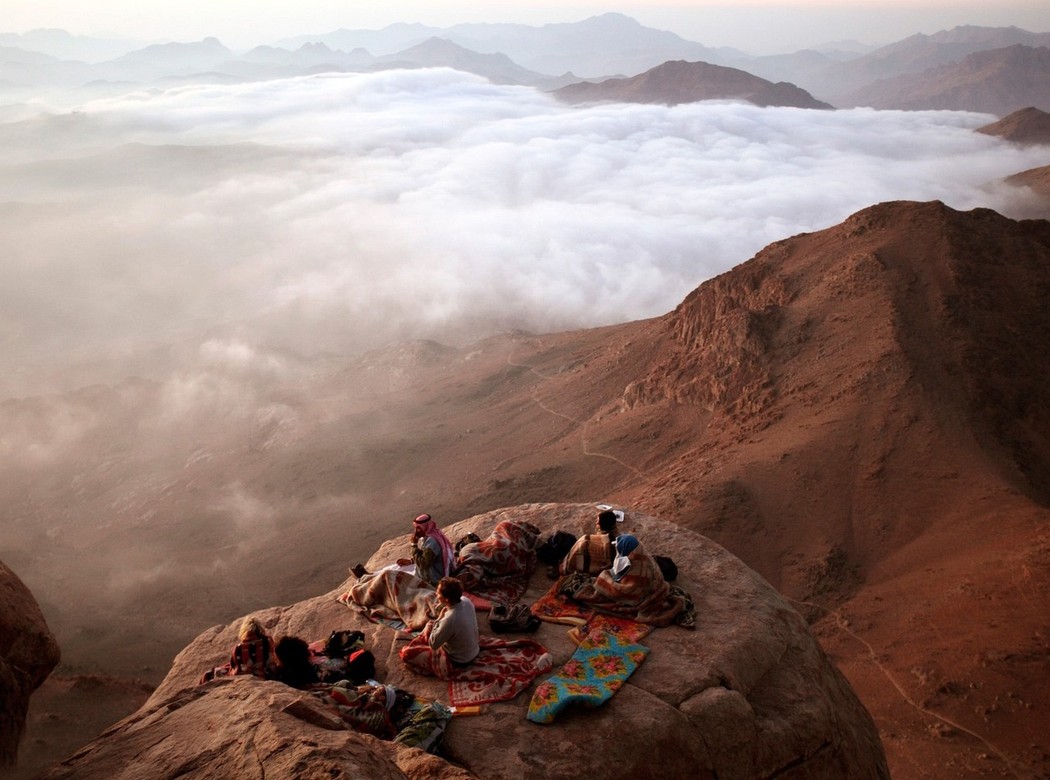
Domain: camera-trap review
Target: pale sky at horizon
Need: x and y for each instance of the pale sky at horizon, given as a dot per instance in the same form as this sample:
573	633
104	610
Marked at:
756	26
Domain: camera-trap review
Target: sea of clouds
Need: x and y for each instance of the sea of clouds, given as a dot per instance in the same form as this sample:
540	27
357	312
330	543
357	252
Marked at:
341	212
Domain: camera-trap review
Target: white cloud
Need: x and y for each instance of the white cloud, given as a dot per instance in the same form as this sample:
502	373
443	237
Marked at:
341	211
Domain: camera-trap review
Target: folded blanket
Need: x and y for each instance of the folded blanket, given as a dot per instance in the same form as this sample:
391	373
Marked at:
607	655
554	607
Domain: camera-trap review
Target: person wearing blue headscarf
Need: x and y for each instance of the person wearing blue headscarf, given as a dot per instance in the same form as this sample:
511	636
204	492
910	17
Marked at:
633	587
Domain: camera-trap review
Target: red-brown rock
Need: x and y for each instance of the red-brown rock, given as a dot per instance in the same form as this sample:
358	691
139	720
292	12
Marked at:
748	694
28	654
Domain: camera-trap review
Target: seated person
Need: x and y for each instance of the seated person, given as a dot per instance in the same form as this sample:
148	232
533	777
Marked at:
593	553
456	628
432	552
633	588
294	664
448	642
433	556
253	654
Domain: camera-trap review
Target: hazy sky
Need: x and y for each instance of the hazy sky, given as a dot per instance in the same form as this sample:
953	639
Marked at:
757	26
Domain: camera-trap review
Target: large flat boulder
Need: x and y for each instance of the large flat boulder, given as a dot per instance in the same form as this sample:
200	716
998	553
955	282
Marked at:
28	654
748	694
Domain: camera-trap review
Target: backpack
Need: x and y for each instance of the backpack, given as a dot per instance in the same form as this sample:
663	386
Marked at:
555	547
668	568
516	618
341	643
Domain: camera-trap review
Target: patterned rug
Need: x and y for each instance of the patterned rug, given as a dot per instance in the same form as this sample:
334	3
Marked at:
555	608
502	670
607	655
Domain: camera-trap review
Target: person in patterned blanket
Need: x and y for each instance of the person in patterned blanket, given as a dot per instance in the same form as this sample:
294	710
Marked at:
593	553
254	652
633	588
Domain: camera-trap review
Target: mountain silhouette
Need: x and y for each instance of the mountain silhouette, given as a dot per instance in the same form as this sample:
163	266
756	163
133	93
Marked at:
687	82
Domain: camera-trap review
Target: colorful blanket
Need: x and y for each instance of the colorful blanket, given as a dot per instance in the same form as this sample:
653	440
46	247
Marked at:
395	598
368	709
497	569
607	655
502	670
388	713
554	607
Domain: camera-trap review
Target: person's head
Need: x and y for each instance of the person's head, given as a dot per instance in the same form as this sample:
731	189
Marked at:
421	525
450	590
607	521
292	652
626	544
251	629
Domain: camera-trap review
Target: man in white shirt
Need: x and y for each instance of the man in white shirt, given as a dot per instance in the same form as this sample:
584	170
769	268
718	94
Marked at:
456	627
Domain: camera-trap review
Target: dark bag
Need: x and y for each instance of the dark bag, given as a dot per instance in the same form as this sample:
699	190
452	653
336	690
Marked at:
341	643
555	547
361	666
667	567
470	538
516	618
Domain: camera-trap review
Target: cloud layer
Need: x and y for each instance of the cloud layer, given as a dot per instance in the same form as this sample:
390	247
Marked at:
343	211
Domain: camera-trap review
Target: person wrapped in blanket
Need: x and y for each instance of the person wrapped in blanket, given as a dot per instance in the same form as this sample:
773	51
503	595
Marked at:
433	556
253	654
388	713
593	553
632	587
509	551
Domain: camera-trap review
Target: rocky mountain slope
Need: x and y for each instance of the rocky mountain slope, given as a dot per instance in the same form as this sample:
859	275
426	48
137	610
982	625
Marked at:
748	694
836	80
859	414
997	81
687	82
1025	126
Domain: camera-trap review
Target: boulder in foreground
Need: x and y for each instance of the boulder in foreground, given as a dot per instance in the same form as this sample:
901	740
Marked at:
748	694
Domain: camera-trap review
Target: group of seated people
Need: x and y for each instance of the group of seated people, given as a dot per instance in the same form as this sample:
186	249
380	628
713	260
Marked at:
606	570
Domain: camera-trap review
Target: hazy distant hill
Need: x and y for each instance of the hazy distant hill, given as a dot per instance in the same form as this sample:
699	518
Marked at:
64	46
999	82
840	76
439	52
599	46
1025	126
173	59
688	82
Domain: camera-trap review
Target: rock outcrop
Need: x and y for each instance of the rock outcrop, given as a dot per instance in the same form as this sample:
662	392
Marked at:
688	82
748	694
28	654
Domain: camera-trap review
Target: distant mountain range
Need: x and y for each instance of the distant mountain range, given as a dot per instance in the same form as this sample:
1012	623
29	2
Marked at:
839	81
996	82
996	70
